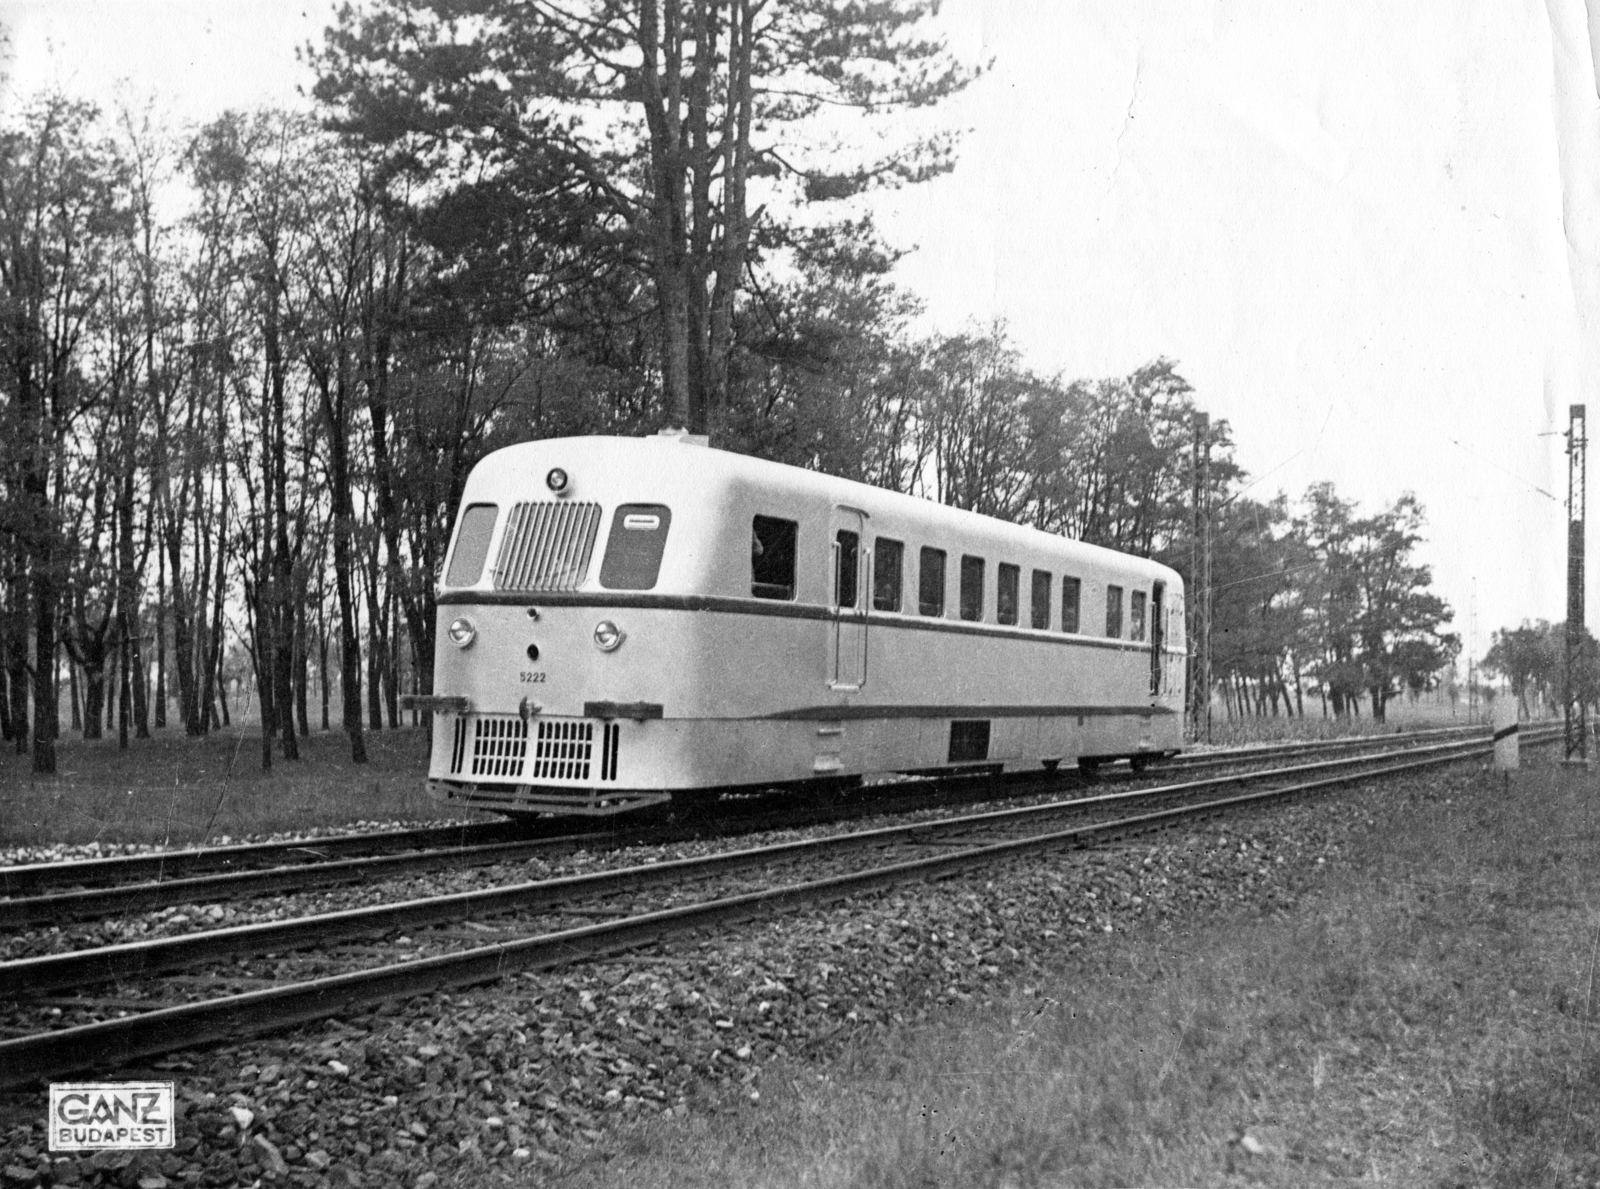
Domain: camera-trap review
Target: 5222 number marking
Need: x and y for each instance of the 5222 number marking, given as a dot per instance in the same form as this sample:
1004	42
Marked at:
532	678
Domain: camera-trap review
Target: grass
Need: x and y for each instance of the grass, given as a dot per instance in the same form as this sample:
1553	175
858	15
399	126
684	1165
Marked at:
1403	714
176	790
1424	1018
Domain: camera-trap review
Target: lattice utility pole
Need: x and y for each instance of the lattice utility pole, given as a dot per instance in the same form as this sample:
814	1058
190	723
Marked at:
1577	734
1200	574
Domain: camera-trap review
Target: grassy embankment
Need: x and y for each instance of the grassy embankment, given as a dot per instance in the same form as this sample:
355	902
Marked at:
1403	714
176	790
1423	1018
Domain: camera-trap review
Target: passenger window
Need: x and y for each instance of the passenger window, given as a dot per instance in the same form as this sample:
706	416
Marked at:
888	562
971	587
1136	616
847	560
772	549
1071	588
930	581
472	545
1041	600
1008	579
633	551
1114	612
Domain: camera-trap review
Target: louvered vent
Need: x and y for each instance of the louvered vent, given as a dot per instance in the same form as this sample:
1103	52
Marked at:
458	749
546	546
562	751
499	745
610	748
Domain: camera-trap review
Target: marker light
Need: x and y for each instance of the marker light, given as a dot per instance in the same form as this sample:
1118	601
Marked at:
556	480
608	637
462	633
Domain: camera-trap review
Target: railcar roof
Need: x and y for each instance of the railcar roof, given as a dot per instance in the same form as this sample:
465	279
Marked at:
688	466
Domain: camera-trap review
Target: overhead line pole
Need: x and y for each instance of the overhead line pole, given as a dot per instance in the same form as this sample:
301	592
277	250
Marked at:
1200	576
1577	727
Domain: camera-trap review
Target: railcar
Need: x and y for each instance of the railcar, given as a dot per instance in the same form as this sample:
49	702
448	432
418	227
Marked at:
623	620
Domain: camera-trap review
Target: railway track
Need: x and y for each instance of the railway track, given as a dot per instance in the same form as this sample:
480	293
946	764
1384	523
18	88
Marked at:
219	984
58	893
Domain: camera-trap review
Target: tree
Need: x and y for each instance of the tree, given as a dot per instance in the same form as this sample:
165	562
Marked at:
61	207
647	124
1400	622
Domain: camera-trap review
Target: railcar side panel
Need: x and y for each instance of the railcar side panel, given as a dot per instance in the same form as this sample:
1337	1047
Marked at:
710	678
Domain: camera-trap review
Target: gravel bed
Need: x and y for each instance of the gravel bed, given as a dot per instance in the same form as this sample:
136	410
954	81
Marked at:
187	918
65	852
509	1080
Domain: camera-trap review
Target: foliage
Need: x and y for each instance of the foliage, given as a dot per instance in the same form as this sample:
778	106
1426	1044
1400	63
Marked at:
233	441
661	138
1533	659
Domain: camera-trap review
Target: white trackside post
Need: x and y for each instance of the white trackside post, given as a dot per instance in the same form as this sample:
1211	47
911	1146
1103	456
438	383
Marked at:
1505	734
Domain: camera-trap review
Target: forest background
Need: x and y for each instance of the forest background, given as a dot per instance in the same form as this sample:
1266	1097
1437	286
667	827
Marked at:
234	427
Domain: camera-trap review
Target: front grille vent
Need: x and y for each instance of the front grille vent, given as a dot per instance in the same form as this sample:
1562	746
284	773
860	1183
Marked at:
499	746
609	747
458	749
562	751
546	546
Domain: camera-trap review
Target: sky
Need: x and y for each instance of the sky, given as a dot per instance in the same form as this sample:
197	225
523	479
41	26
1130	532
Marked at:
1368	233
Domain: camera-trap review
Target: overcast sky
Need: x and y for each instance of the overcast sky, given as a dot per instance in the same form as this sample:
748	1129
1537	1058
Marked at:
1366	231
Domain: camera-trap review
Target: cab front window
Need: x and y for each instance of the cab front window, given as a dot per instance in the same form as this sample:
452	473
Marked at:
634	549
472	545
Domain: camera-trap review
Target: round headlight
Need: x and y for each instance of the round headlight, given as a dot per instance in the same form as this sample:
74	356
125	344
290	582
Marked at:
608	636
462	633
556	480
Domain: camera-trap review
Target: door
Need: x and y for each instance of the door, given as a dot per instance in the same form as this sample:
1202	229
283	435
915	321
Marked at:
852	584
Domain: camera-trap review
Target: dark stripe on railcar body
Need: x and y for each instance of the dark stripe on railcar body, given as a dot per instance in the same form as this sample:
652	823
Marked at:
857	712
778	610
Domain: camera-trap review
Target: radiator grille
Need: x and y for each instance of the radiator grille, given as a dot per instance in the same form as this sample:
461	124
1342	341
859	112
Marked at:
546	546
562	751
499	746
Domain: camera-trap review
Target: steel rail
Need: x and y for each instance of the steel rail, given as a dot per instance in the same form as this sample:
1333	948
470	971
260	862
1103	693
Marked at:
1239	755
106	1043
32	878
58	907
129	959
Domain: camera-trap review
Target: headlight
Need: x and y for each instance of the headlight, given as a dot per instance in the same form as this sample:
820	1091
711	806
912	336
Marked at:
462	633
608	636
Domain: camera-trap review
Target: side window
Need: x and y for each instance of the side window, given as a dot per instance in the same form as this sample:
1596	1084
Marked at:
1114	612
847	561
1071	588
772	547
1040	605
633	551
888	562
930	581
1136	616
1005	595
971	587
472	544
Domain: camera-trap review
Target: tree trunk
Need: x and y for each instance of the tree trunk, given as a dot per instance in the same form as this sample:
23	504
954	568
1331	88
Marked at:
301	661
75	697
161	639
